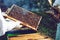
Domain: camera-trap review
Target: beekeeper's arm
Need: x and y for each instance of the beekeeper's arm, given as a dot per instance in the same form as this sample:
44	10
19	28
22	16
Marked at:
6	25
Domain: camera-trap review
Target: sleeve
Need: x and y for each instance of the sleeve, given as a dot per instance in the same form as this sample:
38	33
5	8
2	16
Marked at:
6	25
57	2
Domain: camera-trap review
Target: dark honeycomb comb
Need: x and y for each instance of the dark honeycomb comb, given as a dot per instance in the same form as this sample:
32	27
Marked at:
26	17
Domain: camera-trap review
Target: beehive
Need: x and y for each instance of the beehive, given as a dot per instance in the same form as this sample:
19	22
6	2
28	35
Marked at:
33	36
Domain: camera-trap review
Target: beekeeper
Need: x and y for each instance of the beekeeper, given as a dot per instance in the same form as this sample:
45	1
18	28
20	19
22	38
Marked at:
6	26
57	3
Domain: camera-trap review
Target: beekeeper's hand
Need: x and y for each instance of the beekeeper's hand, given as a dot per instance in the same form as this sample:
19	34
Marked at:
13	24
7	25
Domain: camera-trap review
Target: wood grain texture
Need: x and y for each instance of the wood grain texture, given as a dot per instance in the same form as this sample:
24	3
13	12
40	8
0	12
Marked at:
34	36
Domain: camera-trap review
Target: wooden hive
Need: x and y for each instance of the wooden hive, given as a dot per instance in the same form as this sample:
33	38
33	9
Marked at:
33	36
26	17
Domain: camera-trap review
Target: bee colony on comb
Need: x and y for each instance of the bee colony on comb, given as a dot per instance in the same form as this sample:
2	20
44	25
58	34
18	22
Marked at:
26	17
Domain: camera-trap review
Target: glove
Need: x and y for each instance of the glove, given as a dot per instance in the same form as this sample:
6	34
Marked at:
7	25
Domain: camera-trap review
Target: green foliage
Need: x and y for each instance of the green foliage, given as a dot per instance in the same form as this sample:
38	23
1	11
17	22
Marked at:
46	31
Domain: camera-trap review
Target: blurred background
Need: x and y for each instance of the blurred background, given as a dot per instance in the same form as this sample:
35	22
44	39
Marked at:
48	24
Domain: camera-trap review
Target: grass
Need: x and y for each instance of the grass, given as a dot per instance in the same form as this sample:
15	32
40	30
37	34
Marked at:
46	31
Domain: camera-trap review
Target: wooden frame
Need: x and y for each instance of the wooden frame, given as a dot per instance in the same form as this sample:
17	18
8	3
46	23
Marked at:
9	10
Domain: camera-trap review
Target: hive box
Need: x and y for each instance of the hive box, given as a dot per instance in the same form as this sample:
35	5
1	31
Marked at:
26	17
33	36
